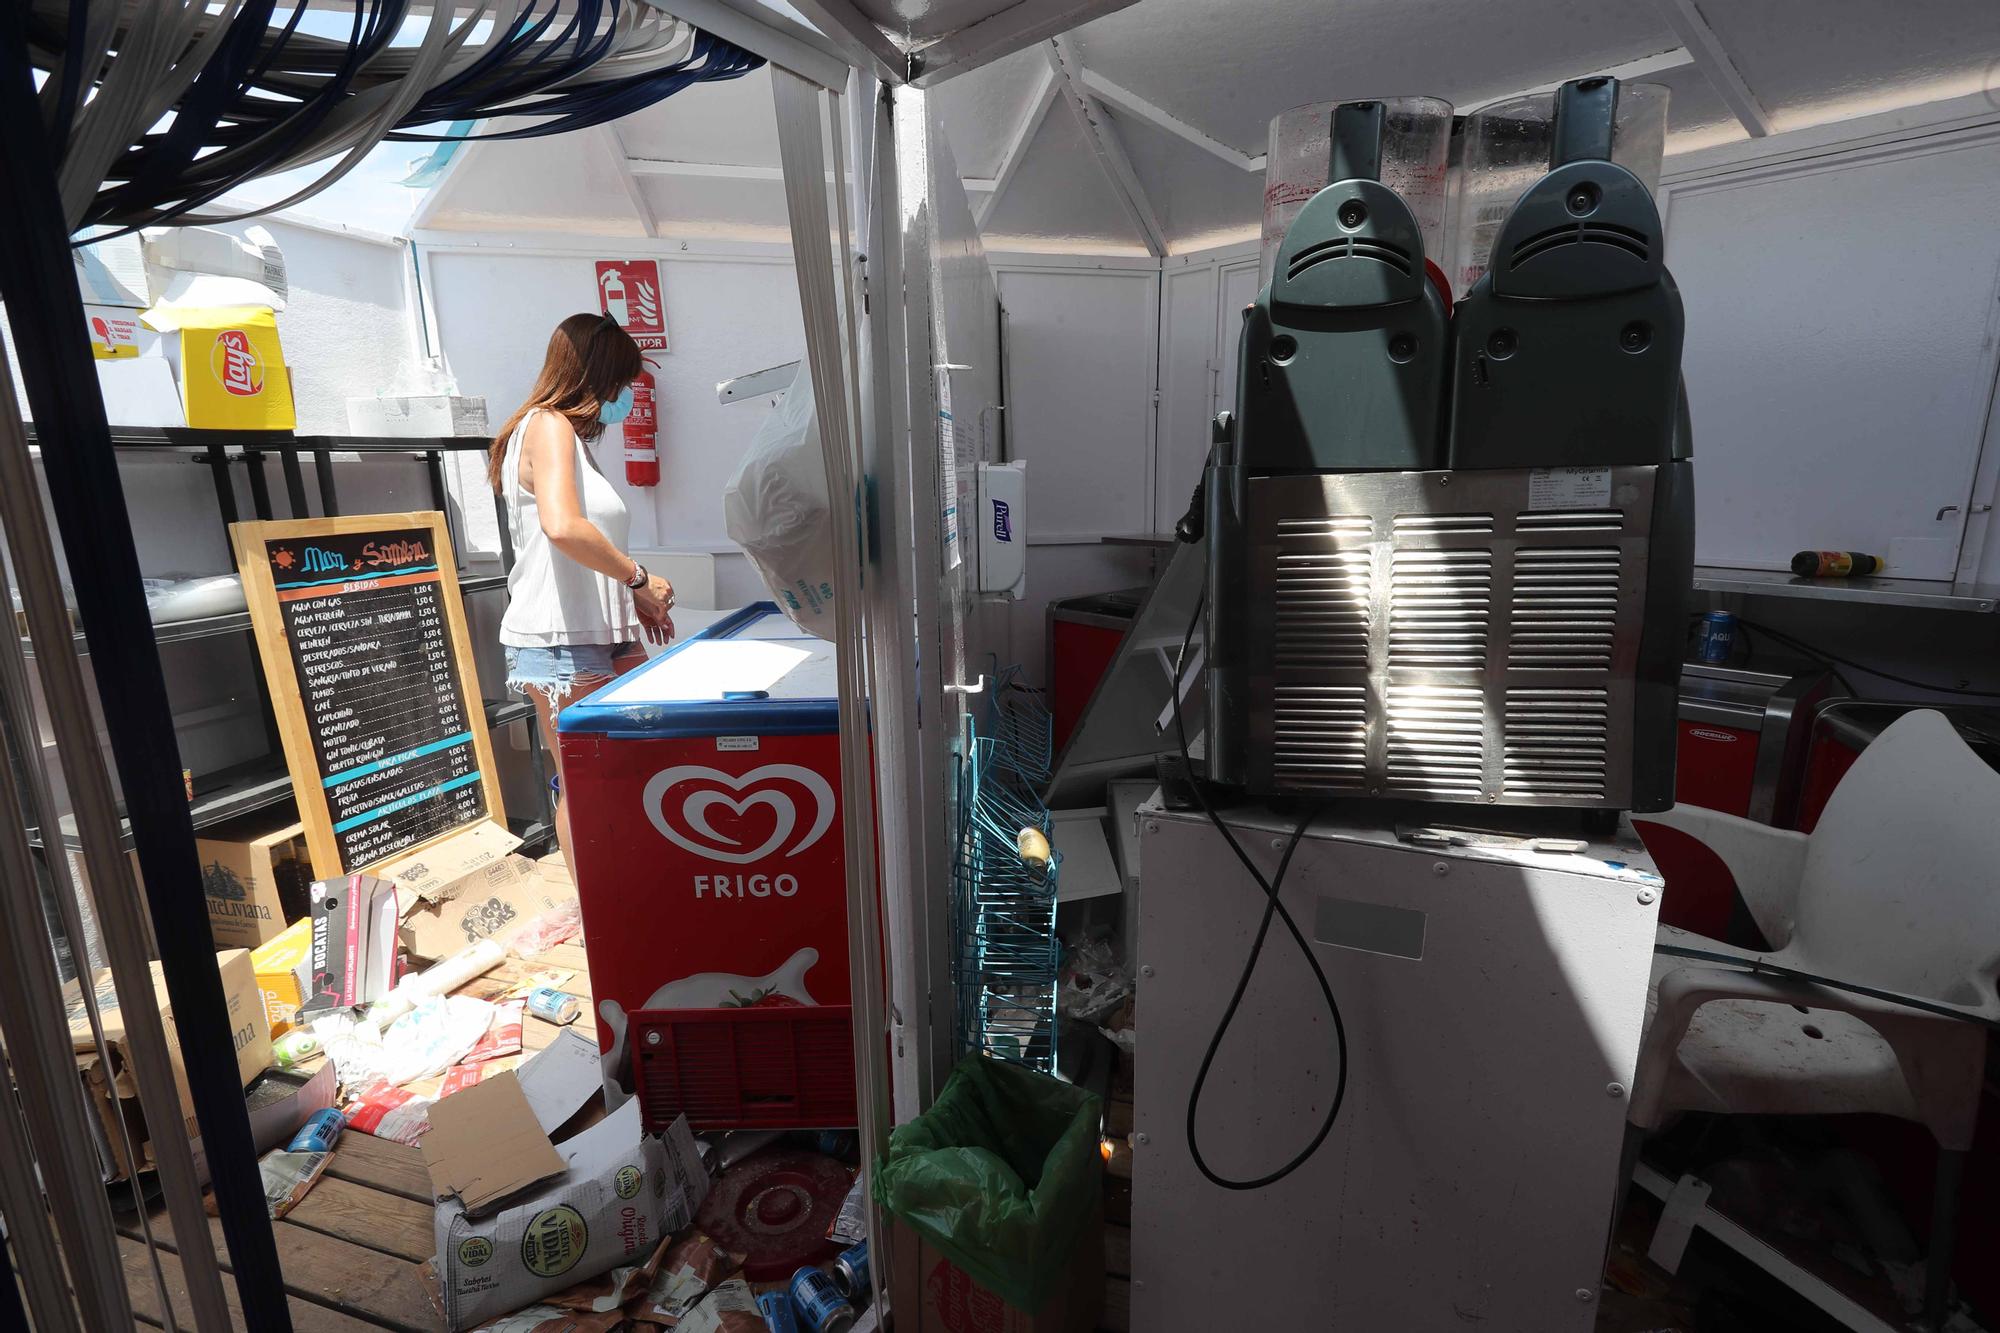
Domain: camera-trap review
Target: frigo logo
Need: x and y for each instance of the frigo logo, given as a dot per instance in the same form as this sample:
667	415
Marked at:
682	803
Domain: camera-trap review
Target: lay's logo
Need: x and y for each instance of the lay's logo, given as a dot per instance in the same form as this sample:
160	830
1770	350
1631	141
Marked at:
235	363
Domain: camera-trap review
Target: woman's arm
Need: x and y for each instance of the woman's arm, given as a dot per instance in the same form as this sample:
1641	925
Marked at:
550	462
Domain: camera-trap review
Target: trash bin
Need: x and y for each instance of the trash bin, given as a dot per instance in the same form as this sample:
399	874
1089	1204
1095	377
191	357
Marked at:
995	1197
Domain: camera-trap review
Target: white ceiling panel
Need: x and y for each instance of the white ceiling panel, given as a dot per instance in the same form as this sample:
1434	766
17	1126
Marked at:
1228	68
981	108
718	209
1697	117
1201	200
1060	198
927	20
555	184
1811	61
729	122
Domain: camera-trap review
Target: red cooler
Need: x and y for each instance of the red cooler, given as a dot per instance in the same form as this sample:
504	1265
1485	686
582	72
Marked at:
1742	737
704	800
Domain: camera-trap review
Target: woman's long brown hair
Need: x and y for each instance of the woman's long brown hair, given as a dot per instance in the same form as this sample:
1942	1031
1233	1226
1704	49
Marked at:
589	360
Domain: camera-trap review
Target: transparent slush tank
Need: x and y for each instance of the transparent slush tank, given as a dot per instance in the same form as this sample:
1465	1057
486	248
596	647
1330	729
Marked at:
1416	131
1504	148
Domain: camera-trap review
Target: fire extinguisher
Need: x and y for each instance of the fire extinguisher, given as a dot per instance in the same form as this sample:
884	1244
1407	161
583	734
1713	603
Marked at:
642	457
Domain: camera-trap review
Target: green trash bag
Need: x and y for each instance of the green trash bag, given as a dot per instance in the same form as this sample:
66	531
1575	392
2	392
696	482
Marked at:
1000	1174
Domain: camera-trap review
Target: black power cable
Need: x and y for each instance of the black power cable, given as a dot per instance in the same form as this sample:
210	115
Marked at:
1830	658
1272	906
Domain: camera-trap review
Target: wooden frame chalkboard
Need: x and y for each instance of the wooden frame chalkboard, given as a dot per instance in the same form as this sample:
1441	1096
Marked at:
362	636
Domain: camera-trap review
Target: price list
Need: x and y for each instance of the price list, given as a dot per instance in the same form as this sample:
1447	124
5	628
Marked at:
391	724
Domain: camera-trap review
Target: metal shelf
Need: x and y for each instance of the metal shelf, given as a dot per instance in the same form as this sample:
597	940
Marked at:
264	782
238	622
1925	593
283	441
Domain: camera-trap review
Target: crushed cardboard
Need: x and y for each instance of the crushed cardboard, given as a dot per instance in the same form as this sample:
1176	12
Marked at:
488	904
442	870
485	1144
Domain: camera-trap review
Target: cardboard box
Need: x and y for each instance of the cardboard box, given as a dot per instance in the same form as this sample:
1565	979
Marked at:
231	365
491	901
620	1192
113	1089
353	942
280	967
256	876
934	1295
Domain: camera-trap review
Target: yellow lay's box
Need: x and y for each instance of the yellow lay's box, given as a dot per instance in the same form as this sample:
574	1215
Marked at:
232	367
278	964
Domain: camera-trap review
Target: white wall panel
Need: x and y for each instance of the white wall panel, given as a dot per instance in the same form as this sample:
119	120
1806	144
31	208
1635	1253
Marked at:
1081	368
725	316
1841	343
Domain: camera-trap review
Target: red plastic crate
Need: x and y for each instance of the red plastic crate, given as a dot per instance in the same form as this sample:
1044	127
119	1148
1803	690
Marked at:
778	1068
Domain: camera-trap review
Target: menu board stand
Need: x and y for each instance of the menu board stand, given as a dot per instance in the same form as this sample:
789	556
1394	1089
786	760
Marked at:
362	635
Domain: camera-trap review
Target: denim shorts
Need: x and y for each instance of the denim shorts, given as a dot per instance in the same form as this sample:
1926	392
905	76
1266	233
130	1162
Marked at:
553	670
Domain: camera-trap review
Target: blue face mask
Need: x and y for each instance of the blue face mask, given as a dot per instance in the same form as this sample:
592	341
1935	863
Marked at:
617	409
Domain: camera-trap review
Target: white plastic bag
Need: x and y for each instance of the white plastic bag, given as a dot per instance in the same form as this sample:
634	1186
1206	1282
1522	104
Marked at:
776	509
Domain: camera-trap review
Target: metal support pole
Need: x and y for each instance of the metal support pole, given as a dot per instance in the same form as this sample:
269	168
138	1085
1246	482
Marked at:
295	484
38	282
329	499
799	149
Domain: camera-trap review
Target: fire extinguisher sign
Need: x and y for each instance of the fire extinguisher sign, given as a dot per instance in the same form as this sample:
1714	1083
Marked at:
628	290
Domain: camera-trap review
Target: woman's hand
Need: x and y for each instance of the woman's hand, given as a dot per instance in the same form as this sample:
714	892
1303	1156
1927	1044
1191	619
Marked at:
654	603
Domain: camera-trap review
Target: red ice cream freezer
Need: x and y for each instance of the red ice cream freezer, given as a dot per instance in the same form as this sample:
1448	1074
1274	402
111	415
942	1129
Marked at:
703	793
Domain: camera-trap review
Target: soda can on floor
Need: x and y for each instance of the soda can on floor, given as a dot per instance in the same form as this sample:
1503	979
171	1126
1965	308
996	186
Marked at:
841	1143
818	1303
554	1006
318	1133
850	1273
776	1307
1717	637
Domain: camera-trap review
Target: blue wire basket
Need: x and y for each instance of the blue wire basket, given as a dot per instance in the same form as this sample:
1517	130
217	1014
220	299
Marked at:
1005	955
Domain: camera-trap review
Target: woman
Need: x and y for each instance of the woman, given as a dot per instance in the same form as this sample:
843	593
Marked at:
577	603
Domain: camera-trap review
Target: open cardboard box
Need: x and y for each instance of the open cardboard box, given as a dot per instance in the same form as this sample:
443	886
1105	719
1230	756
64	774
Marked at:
468	887
108	1080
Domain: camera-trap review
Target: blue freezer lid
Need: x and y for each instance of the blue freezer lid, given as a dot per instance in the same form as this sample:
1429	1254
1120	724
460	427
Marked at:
752	673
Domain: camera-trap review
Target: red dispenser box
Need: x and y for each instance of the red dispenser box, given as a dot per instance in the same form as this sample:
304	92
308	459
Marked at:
703	793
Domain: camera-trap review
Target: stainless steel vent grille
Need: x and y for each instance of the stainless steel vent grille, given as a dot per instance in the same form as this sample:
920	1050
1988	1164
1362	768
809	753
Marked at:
1432	636
1565	608
1440	604
1321	589
1557	741
1322	733
1434	741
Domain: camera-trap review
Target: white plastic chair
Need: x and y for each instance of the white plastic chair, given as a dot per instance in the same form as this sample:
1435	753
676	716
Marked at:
1896	889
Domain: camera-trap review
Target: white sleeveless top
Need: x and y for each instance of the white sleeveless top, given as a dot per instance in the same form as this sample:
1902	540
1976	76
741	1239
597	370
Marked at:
551	599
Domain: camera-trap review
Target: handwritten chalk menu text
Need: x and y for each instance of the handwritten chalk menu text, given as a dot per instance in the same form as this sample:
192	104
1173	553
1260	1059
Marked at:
381	716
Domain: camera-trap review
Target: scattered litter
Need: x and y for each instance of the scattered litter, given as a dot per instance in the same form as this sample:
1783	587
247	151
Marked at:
553	1319
1094	983
730	1308
550	978
389	1112
559	1080
425	1042
852	1223
546	930
486	1145
475	960
287	1178
503	1034
281	1100
554	1006
617	1193
319	1133
460	1077
693	1264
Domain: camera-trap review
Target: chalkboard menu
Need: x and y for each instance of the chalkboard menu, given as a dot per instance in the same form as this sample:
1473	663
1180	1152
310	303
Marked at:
363	640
